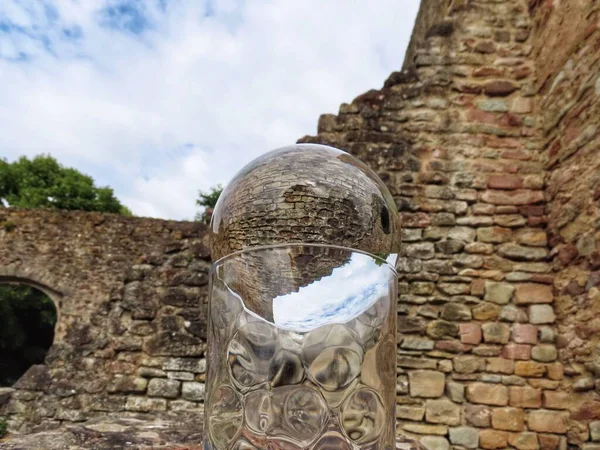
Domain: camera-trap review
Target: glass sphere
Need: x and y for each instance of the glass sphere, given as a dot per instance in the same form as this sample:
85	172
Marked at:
306	193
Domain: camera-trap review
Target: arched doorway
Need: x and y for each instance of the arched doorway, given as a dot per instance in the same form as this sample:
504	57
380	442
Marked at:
27	320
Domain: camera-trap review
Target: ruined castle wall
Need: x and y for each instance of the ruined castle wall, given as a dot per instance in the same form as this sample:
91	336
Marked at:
488	142
131	298
566	51
456	137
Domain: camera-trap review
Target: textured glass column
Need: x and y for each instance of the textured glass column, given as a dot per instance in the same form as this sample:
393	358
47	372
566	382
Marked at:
302	345
302	317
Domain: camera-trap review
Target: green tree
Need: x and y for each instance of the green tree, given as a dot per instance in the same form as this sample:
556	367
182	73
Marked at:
42	182
208	200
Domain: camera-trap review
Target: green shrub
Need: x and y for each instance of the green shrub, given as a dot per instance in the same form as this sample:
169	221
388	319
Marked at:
3	427
9	226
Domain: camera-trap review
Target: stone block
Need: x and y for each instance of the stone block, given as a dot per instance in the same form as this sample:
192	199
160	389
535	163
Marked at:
455	391
470	333
511	313
494	235
182	376
416	343
544	353
523	333
414	413
442	411
541	314
145	404
524	441
487	394
486	312
496	333
425	428
161	387
516	351
529	369
522	253
500	365
467	437
525	397
468	364
435	443
547	334
516	198
513	380
492	439
463	234
549	441
557	400
128	385
184	405
499	88
548	421
456	312
499	293
478	415
510	221
151	372
595	430
533	293
505	181
508	419
194	365
192	391
426	383
441	329
556	371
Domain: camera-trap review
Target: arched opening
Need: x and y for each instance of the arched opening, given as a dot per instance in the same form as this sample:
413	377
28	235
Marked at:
27	320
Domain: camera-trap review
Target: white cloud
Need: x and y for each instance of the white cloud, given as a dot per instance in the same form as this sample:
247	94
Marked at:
160	98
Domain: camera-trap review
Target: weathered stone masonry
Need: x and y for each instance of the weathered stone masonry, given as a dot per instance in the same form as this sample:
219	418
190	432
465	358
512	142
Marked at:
488	140
131	297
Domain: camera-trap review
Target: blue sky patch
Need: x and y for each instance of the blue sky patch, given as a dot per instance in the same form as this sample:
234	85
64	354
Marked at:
125	16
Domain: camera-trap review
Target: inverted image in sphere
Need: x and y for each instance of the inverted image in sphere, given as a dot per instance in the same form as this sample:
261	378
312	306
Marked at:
306	193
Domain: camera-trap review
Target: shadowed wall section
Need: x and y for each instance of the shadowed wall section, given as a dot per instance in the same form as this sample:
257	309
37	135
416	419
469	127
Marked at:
131	300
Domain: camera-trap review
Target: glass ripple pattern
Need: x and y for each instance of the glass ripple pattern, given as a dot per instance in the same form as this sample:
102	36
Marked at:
302	350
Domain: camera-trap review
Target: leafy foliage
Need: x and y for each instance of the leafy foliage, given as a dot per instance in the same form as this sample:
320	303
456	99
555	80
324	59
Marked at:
208	200
44	183
28	318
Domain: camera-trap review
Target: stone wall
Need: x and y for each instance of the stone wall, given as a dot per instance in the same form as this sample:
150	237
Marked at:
458	138
131	298
488	142
566	50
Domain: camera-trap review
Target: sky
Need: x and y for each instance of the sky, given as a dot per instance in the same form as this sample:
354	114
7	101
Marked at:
161	98
347	292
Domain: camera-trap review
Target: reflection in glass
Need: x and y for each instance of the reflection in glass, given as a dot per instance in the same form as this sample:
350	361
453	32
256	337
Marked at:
301	349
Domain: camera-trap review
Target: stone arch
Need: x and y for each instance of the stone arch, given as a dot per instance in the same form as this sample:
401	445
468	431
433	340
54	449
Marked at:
14	276
40	339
